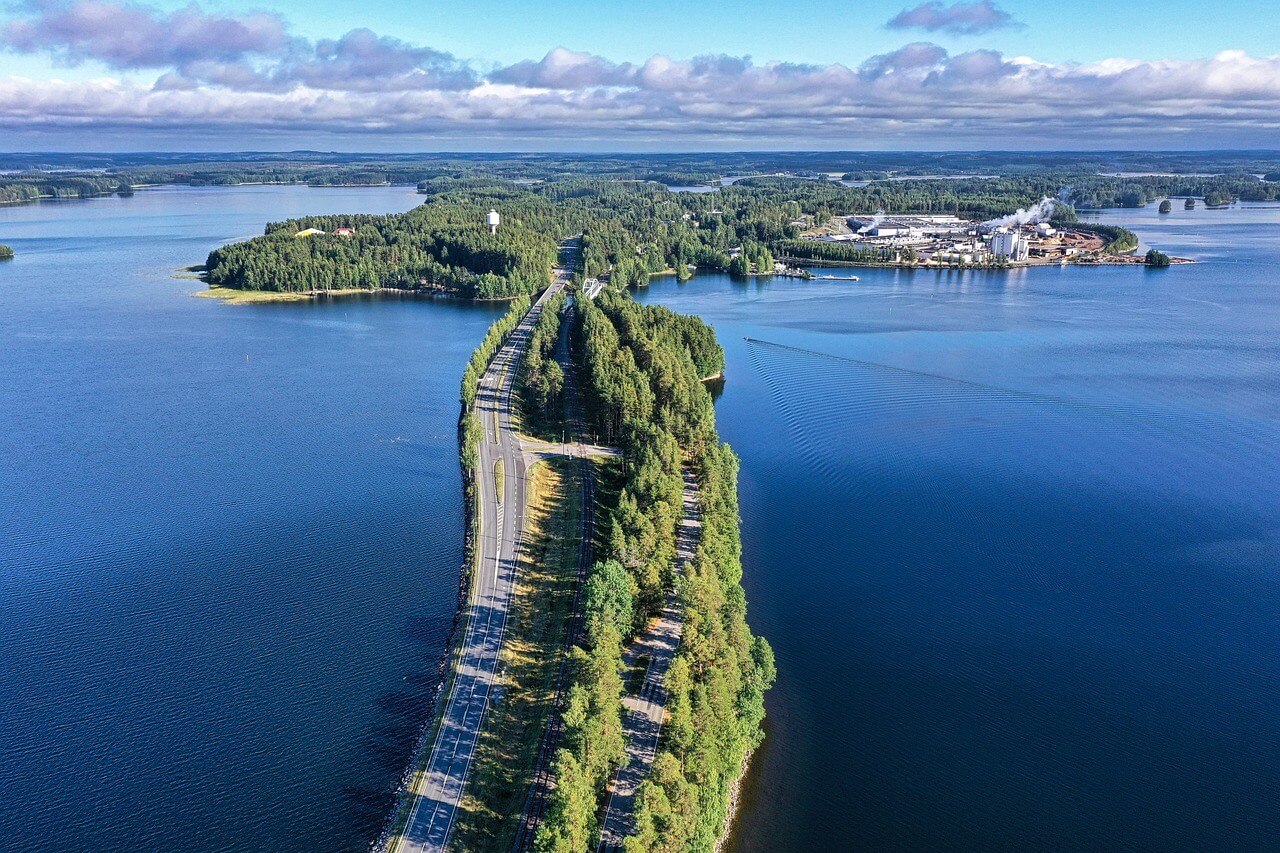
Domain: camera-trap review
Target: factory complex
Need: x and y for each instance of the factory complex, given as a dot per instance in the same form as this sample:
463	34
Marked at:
945	240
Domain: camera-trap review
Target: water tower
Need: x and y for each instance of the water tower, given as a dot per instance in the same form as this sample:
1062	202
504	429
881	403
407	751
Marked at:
492	220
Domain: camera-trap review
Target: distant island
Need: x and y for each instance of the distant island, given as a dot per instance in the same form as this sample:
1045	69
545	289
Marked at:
1093	179
635	229
6	253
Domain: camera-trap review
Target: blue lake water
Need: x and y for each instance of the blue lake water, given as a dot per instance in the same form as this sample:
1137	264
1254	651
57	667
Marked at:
229	535
1013	537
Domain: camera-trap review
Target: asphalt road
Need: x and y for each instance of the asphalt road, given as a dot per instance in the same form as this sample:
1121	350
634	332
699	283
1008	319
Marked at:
645	710
438	791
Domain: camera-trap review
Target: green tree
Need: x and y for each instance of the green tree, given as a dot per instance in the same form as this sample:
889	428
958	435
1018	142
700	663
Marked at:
569	826
608	600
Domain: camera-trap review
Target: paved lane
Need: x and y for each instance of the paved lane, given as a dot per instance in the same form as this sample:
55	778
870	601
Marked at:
645	710
438	790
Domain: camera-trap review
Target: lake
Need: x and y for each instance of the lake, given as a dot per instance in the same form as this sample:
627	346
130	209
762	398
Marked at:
1013	537
230	536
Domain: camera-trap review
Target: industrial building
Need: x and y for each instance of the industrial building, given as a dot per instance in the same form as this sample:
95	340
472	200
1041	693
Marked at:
1010	243
882	225
945	240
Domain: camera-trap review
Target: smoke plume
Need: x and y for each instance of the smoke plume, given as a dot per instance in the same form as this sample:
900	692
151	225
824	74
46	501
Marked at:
1025	216
875	221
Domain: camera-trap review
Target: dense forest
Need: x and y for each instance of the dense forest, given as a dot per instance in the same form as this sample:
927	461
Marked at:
642	368
632	225
680	168
1089	179
1102	191
440	245
20	188
630	230
540	379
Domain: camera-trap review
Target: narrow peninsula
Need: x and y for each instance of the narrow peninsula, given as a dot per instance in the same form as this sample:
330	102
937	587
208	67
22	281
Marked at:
603	690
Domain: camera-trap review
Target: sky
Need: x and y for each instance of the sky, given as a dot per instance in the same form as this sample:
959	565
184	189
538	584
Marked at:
429	75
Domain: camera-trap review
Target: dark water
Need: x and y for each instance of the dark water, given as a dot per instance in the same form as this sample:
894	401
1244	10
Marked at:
1015	539
229	535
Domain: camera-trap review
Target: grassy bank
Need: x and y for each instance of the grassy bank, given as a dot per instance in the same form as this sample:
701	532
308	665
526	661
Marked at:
508	749
232	296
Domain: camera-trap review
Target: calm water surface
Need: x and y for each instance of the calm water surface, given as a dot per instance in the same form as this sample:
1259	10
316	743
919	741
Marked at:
229	535
1014	538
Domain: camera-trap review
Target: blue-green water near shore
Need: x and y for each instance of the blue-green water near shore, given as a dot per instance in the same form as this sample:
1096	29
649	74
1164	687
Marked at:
1014	539
1012	536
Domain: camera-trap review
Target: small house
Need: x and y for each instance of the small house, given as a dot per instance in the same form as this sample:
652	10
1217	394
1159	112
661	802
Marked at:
344	232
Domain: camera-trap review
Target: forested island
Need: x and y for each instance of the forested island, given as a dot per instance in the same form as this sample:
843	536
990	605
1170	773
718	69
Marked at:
1086	179
6	253
1119	178
631	230
635	224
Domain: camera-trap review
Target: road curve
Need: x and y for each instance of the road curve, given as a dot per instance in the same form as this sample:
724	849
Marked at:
437	790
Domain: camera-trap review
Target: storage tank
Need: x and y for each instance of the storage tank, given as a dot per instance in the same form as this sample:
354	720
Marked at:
492	219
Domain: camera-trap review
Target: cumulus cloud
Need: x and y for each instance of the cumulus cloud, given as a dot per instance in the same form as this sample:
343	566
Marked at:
566	69
253	52
250	76
362	59
920	54
961	18
123	35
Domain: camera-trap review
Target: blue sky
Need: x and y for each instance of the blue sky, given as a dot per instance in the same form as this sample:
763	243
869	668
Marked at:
798	30
431	75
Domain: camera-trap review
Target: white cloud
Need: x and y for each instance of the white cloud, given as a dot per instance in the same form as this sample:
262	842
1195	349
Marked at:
255	78
964	19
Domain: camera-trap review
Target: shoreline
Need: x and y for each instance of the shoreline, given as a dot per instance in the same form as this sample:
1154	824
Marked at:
1103	261
240	296
108	193
447	665
470	589
735	801
236	296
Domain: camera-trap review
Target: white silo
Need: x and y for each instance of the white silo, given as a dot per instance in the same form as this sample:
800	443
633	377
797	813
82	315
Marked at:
492	220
